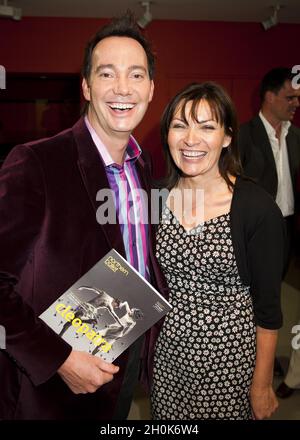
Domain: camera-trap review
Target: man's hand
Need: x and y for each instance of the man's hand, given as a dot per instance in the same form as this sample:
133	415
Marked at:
84	373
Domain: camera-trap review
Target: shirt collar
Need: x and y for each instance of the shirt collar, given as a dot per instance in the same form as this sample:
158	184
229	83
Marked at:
285	125
133	150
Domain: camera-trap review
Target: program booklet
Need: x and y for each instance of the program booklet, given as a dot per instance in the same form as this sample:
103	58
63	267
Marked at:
107	309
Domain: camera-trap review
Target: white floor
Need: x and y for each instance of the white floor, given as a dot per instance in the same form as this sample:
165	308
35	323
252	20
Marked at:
289	409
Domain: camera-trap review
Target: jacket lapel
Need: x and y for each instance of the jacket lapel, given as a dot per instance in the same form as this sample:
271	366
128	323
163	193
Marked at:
93	174
293	149
260	137
144	173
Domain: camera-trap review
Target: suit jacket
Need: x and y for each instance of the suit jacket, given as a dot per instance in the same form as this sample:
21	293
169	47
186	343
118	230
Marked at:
257	157
49	237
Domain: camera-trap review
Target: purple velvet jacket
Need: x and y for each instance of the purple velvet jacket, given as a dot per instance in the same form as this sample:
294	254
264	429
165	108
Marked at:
49	237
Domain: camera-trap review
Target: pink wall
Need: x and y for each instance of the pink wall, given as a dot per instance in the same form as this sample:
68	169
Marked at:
234	54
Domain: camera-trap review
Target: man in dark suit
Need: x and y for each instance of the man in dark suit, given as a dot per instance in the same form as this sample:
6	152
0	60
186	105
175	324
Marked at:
270	149
50	236
269	144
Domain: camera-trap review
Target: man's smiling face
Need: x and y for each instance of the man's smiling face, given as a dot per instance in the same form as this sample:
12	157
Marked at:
119	88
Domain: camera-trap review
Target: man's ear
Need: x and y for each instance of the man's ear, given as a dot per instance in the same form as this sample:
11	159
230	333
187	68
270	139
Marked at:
269	97
151	91
86	89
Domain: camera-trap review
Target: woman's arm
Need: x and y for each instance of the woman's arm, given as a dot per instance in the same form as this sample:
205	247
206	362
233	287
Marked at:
262	397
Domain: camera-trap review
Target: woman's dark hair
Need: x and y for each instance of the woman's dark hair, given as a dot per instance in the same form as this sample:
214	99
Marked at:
223	112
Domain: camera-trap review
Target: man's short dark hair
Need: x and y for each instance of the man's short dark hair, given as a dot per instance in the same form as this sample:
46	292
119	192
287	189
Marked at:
124	26
274	80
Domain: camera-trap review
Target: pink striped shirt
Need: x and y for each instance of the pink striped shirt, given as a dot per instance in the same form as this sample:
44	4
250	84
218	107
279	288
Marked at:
130	203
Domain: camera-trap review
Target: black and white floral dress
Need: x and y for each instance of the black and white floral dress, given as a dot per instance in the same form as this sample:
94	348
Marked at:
205	353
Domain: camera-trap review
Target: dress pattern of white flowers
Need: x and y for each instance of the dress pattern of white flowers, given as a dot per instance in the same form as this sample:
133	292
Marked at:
205	353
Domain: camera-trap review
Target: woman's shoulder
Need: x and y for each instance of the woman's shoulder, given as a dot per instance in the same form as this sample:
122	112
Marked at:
249	191
250	198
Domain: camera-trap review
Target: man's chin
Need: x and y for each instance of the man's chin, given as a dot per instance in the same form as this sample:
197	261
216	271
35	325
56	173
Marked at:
289	117
292	115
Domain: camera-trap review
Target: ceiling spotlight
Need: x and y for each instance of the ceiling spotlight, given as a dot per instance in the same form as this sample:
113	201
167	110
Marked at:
273	19
9	11
147	17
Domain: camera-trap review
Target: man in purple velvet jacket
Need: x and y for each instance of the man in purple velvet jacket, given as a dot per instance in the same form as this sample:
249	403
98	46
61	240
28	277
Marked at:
50	236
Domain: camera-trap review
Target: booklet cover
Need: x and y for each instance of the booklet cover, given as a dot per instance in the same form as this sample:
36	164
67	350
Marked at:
107	309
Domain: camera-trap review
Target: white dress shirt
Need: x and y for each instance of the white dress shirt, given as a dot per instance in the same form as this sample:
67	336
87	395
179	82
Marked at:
285	194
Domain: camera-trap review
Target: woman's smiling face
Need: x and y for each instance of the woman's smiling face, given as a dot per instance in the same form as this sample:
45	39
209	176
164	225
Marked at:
196	144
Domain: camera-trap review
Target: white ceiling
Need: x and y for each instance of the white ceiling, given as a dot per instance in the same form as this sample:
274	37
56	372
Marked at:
219	10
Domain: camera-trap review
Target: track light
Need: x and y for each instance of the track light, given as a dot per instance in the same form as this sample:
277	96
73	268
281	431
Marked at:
273	19
9	11
147	17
